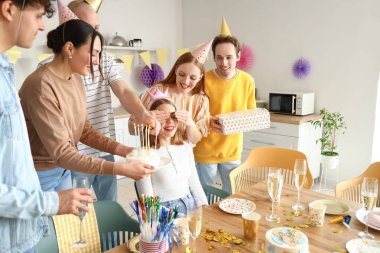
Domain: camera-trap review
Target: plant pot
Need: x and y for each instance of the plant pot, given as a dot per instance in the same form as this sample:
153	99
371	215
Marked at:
329	162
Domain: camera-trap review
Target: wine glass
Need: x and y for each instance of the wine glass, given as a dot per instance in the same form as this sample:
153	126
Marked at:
80	182
369	192
195	225
299	173
275	181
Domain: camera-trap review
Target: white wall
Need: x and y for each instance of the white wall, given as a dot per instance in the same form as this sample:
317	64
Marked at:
157	23
340	38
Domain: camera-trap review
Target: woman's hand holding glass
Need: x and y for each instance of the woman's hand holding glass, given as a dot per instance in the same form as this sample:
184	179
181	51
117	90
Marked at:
81	182
300	168
275	181
369	193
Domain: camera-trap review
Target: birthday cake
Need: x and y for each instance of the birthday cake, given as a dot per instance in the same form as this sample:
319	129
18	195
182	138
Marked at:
148	156
286	240
244	121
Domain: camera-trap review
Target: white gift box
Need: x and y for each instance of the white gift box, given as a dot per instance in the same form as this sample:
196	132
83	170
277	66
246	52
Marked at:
244	121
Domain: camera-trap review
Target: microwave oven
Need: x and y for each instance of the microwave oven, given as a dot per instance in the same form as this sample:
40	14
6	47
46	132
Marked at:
298	103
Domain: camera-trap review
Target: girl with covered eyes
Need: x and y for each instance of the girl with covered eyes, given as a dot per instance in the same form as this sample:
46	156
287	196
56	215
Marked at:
176	183
185	87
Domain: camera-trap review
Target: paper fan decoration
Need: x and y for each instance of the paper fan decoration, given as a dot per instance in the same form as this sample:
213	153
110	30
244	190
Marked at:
152	76
246	58
301	68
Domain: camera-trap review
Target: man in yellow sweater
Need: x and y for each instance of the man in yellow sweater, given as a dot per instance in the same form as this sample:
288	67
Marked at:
229	89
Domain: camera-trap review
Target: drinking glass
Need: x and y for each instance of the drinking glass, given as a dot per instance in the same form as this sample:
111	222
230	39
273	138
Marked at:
275	181
195	225
369	192
80	182
299	173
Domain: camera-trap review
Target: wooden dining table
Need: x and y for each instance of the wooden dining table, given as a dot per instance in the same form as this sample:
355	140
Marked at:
328	238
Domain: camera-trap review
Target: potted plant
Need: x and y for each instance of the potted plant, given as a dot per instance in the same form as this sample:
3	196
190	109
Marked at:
332	124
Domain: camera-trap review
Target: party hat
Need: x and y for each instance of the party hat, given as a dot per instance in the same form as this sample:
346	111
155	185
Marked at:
95	4
158	94
201	52
65	14
225	31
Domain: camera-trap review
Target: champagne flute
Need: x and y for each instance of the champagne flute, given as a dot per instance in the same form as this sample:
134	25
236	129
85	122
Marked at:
299	173
369	192
275	181
195	225
80	182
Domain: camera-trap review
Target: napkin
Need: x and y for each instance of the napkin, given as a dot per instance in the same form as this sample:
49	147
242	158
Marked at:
374	219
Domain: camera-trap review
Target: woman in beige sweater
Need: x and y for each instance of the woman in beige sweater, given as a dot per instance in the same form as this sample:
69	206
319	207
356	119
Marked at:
54	103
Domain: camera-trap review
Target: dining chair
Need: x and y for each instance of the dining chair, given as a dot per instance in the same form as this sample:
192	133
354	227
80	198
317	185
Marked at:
256	167
350	189
115	225
214	194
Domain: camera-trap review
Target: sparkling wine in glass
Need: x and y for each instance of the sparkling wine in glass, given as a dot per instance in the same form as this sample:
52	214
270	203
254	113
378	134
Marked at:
369	194
81	182
275	181
299	173
195	225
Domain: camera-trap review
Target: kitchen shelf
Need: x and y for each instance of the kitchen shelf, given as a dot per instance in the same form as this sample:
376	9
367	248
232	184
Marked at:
116	48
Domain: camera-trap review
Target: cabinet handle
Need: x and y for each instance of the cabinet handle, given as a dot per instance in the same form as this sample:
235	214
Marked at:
273	127
263	142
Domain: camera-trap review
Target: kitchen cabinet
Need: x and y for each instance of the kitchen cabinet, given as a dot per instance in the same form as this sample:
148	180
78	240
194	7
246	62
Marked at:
293	132
121	129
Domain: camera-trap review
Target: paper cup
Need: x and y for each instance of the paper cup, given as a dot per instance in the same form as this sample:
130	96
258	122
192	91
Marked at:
182	227
154	247
317	214
250	224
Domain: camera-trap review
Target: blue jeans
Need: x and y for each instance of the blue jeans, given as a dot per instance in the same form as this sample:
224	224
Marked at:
185	204
105	186
207	173
56	179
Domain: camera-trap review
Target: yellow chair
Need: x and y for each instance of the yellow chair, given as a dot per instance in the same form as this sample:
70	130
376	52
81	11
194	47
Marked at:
350	189
256	167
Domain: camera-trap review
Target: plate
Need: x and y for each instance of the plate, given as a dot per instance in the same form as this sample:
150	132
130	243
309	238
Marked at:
236	205
133	244
363	246
334	207
360	215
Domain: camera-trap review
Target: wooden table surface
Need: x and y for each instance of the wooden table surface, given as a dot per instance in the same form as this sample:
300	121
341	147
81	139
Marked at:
329	238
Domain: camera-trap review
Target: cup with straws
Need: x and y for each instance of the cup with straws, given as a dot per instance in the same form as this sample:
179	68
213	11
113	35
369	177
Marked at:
157	232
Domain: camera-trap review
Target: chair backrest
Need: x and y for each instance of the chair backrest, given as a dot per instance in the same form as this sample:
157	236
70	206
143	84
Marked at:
214	194
48	244
115	225
256	167
350	189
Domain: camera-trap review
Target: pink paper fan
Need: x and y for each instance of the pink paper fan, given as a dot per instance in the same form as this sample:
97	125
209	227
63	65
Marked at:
246	58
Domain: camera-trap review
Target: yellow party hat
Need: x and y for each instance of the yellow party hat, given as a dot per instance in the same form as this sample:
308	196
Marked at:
225	31
95	4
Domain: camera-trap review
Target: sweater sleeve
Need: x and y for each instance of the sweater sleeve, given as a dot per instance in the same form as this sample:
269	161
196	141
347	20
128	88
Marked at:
194	183
251	94
54	135
202	115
